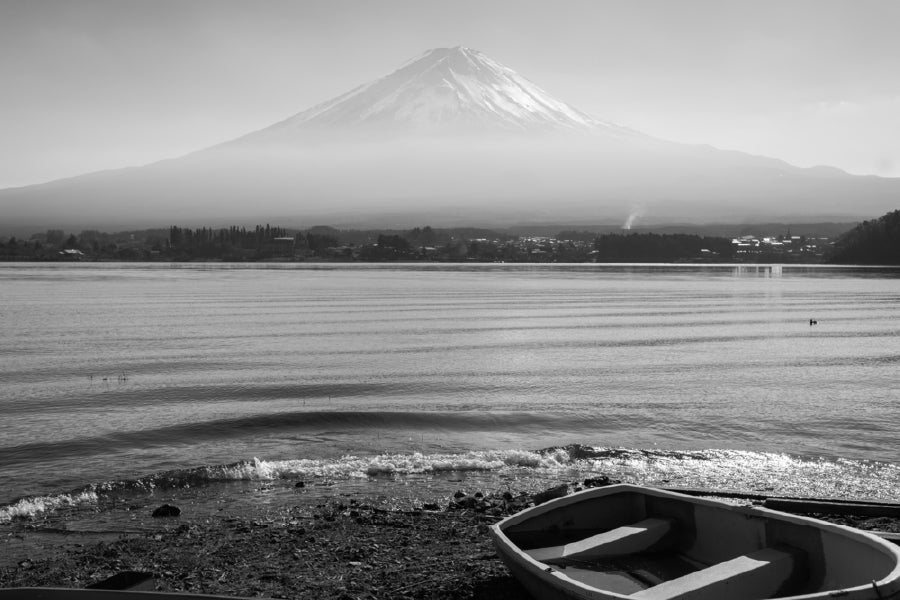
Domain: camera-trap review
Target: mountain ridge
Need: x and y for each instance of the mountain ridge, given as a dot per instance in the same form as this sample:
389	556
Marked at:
450	136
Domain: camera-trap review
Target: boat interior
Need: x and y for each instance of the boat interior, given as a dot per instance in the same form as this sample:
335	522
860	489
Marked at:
659	547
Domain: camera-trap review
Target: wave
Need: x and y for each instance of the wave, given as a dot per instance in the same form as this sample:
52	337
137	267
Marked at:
297	421
26	508
347	467
746	471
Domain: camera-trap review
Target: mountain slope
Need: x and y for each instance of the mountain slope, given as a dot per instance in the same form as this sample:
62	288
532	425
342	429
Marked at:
450	138
444	90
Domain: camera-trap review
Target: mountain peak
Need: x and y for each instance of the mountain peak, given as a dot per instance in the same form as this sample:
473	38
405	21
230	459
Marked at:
457	55
444	90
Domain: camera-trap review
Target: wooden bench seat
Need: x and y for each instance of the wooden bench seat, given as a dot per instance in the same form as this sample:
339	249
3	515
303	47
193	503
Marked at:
759	574
629	539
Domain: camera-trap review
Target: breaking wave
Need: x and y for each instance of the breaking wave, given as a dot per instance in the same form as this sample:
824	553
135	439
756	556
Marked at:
744	471
25	508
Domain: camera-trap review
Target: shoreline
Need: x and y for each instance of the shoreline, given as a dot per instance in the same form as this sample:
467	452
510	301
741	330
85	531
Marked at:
340	549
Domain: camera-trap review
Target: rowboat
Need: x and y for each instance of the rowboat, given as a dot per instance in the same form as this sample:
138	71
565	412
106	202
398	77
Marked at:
626	541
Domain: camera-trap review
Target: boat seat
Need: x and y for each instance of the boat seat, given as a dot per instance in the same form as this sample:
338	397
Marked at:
756	575
629	539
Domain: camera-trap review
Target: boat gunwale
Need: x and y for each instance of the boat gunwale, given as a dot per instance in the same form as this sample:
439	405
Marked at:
887	587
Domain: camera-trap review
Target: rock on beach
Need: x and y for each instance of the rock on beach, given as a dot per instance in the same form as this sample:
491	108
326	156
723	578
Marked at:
166	510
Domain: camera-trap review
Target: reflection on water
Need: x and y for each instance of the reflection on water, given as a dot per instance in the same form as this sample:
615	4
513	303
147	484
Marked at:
757	270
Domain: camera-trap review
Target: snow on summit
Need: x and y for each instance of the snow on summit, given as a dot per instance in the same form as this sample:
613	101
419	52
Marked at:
445	89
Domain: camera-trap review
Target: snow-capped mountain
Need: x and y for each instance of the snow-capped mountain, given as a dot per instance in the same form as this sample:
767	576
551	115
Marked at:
444	90
450	137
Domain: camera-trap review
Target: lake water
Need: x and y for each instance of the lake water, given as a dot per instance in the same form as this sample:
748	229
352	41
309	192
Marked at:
215	384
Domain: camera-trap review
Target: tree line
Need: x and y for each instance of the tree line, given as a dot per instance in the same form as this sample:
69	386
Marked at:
874	242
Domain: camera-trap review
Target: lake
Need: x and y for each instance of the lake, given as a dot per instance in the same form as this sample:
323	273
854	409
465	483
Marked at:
229	381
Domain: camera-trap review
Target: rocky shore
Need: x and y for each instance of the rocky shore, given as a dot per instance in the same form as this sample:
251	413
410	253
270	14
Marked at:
336	550
344	550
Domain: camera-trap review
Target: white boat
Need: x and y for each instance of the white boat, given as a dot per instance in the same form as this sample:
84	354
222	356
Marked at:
626	541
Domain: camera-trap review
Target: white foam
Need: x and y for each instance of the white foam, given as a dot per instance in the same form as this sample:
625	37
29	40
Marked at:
773	473
387	464
27	508
724	469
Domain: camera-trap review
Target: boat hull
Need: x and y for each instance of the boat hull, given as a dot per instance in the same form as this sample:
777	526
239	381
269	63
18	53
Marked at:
626	541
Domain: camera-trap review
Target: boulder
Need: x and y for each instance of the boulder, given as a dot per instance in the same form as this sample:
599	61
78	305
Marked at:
549	494
166	510
601	481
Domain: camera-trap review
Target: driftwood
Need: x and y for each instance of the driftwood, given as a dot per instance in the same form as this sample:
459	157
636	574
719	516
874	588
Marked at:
794	504
856	509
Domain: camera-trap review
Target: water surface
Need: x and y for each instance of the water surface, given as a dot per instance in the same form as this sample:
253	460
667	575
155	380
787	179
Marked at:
123	377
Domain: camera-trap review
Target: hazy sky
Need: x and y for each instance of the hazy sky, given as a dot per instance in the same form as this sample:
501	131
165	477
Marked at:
93	84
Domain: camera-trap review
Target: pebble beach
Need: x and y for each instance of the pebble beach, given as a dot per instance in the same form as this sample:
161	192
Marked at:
344	548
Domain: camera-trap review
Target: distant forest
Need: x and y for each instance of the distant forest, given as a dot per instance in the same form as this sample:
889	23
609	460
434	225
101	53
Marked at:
872	242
